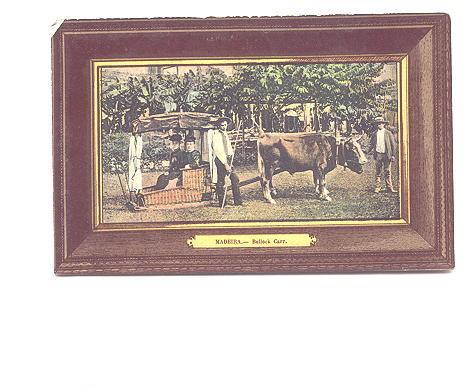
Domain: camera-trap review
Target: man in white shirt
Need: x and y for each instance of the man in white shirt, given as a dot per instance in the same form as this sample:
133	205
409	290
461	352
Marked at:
134	164
221	152
384	147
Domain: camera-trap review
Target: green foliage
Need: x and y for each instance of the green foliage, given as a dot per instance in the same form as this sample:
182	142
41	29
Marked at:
115	153
154	151
248	158
351	86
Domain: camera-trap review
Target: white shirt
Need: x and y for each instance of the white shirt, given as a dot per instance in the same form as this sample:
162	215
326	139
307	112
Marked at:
220	145
380	147
135	154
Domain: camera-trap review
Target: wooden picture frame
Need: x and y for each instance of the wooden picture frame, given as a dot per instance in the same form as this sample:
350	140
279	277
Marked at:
421	240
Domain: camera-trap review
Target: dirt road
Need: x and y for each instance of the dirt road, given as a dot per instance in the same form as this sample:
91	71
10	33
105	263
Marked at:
352	199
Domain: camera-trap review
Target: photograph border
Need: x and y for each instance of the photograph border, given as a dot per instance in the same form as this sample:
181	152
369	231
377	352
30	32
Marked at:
97	183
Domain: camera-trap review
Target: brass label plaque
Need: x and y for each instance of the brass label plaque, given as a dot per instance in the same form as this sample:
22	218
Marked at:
251	241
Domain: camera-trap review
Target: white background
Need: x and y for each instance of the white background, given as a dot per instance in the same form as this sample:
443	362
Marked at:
308	330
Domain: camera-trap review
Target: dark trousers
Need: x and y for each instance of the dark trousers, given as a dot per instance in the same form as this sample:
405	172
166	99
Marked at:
383	164
164	179
235	183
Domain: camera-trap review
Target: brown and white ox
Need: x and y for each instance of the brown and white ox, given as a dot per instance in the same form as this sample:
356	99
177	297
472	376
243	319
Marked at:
299	152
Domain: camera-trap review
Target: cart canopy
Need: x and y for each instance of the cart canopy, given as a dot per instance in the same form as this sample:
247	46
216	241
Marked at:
178	121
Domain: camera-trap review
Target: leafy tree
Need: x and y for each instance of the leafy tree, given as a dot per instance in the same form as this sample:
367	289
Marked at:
346	88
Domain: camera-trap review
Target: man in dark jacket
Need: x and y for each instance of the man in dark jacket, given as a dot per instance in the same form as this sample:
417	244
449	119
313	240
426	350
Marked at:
384	148
177	161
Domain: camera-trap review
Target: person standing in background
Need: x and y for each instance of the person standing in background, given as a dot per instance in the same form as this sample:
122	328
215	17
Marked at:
384	148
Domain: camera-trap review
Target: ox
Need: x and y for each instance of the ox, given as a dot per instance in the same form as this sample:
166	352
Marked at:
299	152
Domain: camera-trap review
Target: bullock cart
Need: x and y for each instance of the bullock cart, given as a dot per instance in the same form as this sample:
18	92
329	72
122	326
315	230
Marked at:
196	184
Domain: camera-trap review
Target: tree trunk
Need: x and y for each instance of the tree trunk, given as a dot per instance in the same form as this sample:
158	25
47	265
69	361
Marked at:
243	142
260	118
317	118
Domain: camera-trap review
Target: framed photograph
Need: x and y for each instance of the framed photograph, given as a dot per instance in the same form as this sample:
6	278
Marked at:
253	145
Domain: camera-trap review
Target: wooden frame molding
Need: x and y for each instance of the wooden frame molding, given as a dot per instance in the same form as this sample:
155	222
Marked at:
422	242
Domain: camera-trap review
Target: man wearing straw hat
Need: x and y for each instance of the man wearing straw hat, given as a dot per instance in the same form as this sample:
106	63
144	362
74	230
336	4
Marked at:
221	153
384	147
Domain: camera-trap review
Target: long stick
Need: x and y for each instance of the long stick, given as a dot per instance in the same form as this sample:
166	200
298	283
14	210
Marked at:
126	177
231	164
120	182
122	186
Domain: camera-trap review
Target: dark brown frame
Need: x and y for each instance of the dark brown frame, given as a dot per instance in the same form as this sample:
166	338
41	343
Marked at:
426	243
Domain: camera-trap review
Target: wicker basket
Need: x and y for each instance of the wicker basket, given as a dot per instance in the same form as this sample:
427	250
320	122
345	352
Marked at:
172	196
192	189
194	179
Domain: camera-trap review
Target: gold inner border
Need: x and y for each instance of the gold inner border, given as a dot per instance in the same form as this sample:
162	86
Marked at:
96	153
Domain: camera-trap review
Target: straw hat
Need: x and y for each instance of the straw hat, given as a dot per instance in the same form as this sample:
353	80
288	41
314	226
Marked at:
380	120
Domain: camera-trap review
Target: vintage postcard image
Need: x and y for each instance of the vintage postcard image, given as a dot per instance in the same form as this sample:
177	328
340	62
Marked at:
218	141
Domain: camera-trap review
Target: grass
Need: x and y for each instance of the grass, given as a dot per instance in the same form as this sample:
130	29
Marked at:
352	199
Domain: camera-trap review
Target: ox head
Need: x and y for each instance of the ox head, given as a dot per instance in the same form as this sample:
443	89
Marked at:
353	155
